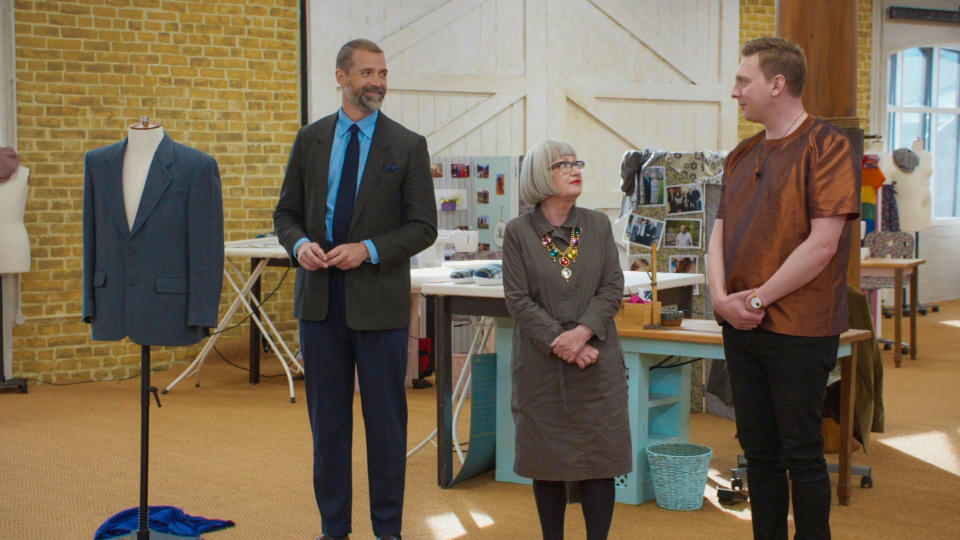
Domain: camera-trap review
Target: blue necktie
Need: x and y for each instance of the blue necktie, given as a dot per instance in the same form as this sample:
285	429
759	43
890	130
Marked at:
343	211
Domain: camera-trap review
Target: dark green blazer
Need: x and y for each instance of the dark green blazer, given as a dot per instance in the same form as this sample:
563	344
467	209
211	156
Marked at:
395	208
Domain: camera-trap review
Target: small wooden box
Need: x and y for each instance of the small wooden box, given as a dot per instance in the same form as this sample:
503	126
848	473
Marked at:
637	316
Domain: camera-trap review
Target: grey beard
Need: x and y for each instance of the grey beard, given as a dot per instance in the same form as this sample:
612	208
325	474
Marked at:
364	102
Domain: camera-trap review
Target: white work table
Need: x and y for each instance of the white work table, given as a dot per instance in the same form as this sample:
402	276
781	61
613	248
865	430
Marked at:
632	282
262	252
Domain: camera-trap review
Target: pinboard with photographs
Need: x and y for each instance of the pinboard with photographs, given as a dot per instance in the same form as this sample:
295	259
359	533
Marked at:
476	193
670	208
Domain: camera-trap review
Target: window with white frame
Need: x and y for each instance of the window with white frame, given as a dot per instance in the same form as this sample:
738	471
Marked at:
923	101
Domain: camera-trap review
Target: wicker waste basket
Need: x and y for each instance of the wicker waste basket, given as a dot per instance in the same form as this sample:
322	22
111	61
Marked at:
679	473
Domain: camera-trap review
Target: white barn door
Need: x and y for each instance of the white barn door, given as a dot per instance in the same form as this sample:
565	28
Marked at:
492	77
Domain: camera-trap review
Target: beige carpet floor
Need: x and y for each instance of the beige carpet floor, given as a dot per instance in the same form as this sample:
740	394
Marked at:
69	458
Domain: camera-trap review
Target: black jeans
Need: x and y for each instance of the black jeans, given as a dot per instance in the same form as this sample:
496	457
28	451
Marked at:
779	383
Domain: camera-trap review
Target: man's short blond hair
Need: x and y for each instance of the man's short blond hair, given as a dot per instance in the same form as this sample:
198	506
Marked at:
779	56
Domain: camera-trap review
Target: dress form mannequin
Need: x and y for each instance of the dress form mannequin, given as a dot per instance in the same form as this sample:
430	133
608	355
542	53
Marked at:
913	191
143	138
14	259
14	243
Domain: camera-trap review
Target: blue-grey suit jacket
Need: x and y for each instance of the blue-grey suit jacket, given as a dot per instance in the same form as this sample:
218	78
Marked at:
160	282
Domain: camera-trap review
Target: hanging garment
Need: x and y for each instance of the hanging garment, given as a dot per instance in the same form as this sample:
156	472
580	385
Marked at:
888	206
872	175
873	178
868	208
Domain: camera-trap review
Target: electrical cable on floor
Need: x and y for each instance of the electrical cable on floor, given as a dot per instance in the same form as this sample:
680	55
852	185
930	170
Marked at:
238	366
137	374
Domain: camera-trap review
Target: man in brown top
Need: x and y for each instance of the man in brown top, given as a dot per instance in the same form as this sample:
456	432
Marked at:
777	271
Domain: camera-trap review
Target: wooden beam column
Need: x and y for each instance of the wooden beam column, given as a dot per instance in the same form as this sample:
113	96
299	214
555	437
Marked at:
827	31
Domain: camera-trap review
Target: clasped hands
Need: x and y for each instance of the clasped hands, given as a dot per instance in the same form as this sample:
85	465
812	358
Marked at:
735	309
345	256
572	347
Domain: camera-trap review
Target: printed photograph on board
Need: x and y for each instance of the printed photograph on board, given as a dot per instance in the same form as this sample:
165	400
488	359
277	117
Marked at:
683	233
640	263
643	230
459	170
683	264
684	199
651	187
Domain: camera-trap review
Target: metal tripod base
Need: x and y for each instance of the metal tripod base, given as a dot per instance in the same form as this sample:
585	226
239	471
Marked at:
154	535
739	473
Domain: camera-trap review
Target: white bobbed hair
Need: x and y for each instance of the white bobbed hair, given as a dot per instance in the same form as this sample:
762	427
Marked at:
536	184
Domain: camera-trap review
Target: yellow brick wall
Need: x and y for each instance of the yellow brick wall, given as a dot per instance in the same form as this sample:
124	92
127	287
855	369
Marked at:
864	56
758	18
222	76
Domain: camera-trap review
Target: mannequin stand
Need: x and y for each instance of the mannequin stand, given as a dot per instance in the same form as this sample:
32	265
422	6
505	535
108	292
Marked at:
19	384
144	533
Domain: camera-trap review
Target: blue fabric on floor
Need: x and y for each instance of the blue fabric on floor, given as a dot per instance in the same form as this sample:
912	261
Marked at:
164	519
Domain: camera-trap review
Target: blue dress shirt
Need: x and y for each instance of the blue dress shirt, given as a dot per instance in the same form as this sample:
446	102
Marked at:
341	137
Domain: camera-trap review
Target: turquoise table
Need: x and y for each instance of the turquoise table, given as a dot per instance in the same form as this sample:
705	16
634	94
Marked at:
659	399
704	339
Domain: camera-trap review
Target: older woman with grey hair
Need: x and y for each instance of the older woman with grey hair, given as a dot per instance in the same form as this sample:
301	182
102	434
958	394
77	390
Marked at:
563	284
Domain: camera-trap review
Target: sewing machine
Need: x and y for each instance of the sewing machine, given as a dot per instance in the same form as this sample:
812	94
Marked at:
433	256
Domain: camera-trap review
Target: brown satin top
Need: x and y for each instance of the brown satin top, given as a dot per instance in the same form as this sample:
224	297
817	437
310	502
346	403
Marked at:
811	173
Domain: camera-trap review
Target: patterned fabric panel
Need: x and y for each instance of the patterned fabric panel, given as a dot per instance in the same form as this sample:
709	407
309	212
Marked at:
885	244
891	214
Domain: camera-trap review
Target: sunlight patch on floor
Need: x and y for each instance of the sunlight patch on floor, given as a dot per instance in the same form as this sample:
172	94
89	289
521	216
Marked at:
445	526
933	447
482	520
716	478
951	323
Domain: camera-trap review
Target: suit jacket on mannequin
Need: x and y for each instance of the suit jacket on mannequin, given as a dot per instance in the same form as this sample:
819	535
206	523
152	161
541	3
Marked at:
395	208
158	282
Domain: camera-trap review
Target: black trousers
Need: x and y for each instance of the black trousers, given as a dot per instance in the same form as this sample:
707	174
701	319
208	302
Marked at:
331	352
779	383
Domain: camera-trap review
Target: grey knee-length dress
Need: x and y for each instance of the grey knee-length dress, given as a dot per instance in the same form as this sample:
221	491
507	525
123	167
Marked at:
571	424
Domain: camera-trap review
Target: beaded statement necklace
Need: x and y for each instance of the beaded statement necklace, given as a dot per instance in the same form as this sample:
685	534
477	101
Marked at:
564	257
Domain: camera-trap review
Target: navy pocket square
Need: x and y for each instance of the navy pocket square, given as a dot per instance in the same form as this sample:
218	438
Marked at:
389	168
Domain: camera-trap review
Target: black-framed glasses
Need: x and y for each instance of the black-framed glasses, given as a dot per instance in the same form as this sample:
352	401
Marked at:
566	165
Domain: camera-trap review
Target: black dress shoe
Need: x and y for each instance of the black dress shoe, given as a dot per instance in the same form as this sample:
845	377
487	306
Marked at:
389	537
325	537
